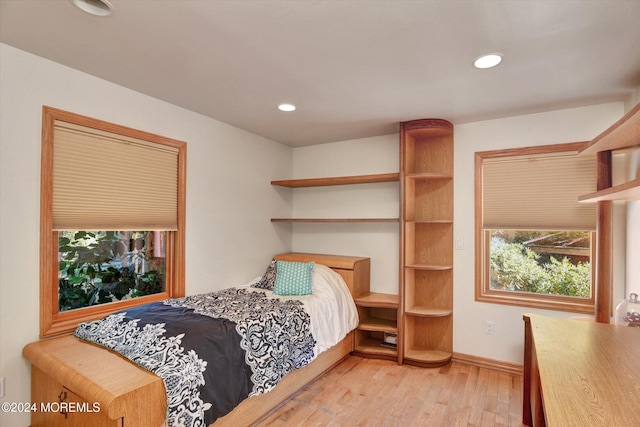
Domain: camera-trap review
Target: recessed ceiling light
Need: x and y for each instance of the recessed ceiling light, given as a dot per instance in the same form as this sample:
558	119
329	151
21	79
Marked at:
286	107
488	61
94	7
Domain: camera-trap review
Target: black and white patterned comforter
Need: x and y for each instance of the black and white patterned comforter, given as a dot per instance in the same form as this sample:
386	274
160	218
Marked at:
211	350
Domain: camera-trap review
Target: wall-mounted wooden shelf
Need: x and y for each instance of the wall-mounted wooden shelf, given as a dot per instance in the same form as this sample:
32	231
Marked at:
338	180
626	192
625	133
335	219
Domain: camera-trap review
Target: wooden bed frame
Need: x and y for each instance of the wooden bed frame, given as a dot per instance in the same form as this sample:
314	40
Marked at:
130	395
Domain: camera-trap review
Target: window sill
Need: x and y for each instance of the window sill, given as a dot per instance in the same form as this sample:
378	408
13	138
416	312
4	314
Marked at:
68	321
546	302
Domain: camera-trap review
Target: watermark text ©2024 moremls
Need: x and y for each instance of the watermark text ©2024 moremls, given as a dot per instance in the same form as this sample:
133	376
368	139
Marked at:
61	407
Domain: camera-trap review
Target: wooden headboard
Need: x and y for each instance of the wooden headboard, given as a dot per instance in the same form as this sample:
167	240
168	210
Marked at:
354	270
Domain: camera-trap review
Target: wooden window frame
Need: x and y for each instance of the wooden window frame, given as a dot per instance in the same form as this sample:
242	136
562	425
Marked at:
52	321
483	293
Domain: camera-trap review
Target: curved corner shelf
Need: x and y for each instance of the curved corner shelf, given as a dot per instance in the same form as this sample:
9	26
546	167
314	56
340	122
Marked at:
427	358
429	267
426	253
428	312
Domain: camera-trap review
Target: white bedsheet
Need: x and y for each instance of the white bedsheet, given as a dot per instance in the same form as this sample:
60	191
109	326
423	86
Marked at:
330	306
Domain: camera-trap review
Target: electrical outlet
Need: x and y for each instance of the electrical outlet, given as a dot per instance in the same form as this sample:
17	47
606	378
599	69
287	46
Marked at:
489	327
459	243
1	387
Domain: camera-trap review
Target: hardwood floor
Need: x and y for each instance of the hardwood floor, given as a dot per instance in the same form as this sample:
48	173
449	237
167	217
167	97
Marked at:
370	392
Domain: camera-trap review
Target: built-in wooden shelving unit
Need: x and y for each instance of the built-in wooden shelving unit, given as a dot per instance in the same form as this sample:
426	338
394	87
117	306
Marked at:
426	242
378	314
339	180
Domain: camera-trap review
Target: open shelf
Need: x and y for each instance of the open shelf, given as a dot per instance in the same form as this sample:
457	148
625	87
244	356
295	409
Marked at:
373	347
377	324
430	267
376	299
427	340
624	192
335	219
339	180
426	258
378	313
428	312
427	357
622	134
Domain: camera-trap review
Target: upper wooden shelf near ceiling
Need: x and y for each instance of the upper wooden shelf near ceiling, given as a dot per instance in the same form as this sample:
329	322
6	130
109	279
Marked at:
625	133
627	192
338	180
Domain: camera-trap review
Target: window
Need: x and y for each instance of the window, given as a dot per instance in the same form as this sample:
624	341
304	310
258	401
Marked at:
533	239
112	219
99	267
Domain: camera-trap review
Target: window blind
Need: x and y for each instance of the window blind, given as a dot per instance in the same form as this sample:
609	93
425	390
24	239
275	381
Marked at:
538	192
106	181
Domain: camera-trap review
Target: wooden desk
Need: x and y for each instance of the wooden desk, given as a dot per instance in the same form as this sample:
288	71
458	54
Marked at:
580	373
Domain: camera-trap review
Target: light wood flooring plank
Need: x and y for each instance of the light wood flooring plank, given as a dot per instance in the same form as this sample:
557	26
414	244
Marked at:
371	392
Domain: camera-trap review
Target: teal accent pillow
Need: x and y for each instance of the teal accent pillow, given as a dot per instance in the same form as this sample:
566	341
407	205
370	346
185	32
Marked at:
293	278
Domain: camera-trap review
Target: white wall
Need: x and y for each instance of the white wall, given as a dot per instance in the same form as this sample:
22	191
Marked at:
229	197
571	125
378	241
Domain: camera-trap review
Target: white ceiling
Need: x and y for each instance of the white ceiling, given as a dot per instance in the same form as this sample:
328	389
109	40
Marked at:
354	68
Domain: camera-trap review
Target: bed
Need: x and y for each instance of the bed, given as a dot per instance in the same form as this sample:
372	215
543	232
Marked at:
63	362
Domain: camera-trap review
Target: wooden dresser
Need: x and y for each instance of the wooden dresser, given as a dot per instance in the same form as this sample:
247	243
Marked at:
80	384
580	373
